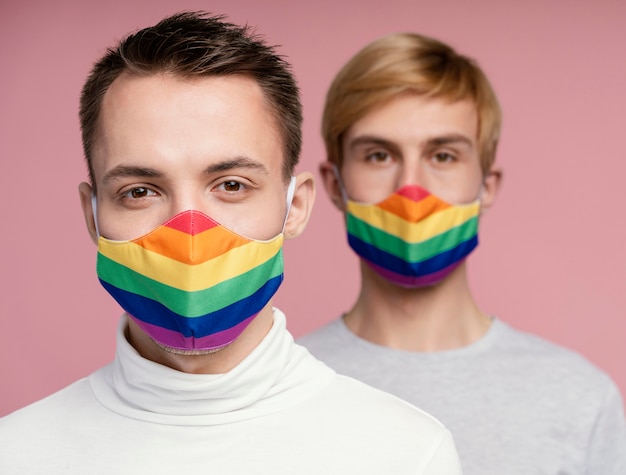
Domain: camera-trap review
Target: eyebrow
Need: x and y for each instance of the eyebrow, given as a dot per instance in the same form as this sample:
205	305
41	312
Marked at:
432	142
369	140
126	171
237	162
130	171
451	139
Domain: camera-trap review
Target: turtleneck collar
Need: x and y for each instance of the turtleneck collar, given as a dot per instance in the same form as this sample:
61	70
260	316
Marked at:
275	375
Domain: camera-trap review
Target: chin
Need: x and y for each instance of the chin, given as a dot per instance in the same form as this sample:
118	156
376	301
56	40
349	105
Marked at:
190	351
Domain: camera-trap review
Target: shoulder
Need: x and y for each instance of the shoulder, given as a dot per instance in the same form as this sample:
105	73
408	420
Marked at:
583	398
538	352
43	427
330	340
330	331
57	407
369	420
353	399
553	371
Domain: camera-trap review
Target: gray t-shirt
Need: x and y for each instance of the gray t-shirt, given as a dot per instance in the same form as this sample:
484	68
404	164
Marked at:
515	403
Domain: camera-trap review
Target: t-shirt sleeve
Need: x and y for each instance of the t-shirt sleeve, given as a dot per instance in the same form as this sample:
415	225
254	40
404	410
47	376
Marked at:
607	443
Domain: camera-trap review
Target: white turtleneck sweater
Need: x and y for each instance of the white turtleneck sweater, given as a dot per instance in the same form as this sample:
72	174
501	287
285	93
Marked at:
280	411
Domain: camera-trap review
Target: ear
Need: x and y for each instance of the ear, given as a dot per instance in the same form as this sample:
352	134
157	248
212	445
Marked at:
331	184
301	205
85	190
491	185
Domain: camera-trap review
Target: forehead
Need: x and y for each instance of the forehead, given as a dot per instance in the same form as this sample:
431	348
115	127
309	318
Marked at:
412	117
171	120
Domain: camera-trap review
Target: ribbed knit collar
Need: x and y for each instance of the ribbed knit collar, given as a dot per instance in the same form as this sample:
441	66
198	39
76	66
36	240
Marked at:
275	375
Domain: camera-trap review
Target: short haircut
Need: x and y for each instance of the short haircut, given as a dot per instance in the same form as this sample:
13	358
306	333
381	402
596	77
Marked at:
195	44
408	63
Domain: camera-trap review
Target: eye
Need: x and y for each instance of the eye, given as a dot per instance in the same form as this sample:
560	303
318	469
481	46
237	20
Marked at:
139	192
232	185
443	157
379	156
233	189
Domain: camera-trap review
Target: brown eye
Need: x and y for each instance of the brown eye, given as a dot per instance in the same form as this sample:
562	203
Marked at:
443	157
232	185
378	157
139	192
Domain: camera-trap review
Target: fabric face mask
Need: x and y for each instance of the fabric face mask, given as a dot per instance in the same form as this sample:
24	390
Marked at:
192	284
412	238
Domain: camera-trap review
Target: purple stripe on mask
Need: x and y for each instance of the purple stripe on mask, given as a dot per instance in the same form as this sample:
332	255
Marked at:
410	281
176	340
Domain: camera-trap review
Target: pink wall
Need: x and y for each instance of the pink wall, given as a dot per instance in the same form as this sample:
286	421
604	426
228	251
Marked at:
552	258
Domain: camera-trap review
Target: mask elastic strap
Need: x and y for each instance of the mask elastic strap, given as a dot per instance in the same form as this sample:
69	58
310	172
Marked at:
342	188
290	192
94	209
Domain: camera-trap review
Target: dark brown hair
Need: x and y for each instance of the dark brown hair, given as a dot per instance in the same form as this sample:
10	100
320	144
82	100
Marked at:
195	44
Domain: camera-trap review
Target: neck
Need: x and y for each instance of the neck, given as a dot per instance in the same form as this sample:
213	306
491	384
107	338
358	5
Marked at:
217	362
436	318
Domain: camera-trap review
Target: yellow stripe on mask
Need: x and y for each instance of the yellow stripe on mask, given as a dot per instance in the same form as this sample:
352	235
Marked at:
170	272
414	232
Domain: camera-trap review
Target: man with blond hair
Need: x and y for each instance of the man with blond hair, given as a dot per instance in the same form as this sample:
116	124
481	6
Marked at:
411	129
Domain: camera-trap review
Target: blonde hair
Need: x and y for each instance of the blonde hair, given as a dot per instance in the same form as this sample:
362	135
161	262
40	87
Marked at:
408	63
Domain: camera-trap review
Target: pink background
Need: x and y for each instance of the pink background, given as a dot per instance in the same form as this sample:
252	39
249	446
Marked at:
552	259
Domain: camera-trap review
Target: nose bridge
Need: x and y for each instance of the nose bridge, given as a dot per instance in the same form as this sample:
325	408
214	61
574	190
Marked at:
411	171
185	199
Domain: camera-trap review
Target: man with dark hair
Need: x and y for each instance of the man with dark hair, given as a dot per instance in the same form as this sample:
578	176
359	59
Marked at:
191	131
411	129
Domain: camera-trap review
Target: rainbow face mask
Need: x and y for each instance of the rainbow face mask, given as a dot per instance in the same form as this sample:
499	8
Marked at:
192	284
412	238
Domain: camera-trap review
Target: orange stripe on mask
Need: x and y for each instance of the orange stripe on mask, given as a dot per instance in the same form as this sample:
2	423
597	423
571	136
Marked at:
410	210
190	249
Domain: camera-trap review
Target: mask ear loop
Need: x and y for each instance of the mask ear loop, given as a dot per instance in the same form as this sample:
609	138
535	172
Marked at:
479	198
290	192
94	209
342	189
